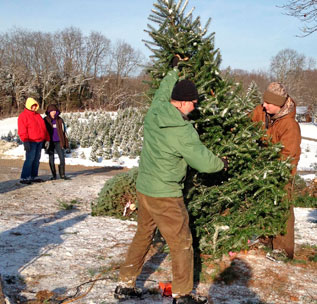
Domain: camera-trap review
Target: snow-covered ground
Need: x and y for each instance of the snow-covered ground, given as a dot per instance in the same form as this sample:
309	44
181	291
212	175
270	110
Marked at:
82	244
308	160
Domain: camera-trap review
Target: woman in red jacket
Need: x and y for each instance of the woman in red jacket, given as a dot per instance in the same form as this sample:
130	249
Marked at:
32	132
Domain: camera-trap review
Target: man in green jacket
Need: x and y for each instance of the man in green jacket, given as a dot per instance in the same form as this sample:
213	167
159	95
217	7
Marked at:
170	144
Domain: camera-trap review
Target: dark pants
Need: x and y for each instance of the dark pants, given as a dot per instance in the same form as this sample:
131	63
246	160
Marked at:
169	214
55	146
31	164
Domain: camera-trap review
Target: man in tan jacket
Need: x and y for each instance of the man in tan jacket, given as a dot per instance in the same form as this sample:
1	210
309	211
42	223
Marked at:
278	116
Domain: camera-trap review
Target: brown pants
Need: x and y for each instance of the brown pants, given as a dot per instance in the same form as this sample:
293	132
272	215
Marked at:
169	214
287	241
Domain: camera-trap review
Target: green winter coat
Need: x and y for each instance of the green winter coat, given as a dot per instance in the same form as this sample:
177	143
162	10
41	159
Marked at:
170	144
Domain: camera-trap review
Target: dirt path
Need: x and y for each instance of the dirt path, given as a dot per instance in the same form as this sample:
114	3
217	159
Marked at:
46	251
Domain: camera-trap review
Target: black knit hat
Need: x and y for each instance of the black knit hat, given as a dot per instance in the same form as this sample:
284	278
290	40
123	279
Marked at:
185	90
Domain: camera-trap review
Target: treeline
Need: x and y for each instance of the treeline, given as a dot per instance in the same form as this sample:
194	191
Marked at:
68	68
296	71
79	72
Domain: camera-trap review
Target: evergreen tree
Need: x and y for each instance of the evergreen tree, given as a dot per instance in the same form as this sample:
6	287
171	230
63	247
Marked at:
228	208
9	136
107	153
93	154
135	150
115	153
111	201
124	146
85	139
253	93
103	131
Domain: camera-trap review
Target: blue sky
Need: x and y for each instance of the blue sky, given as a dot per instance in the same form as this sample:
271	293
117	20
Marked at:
248	32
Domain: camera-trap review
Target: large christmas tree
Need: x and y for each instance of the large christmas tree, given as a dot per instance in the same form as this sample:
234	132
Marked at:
230	208
227	209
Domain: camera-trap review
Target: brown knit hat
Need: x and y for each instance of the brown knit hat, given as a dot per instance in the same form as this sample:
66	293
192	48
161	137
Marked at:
275	94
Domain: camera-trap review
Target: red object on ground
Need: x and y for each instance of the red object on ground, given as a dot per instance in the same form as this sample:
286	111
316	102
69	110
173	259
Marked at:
166	289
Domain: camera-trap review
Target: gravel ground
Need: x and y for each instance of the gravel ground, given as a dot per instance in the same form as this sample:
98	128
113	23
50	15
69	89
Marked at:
46	251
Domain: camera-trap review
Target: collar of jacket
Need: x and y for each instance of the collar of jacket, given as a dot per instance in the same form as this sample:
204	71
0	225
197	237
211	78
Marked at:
30	112
288	108
168	116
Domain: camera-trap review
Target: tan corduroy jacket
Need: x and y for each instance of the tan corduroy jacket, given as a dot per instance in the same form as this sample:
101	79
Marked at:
284	130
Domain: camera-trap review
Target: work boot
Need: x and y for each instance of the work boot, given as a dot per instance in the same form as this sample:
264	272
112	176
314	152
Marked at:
123	293
37	180
190	299
25	181
53	170
61	170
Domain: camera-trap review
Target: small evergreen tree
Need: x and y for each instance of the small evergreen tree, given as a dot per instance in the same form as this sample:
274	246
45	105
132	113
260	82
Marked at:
9	136
115	195
115	153
107	153
93	154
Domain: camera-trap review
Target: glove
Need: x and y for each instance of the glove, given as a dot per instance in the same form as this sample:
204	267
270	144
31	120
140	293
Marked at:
175	61
46	145
225	163
27	146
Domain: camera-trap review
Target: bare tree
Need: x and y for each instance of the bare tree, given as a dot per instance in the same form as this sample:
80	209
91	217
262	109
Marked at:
70	49
305	11
15	65
245	78
66	68
291	68
43	64
309	93
287	65
1	50
15	50
31	59
97	52
124	60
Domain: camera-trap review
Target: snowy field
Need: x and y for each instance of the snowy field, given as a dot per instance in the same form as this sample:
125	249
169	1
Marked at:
308	160
10	124
75	241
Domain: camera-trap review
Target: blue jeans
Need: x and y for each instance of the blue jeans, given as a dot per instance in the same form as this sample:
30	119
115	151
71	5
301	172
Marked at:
31	164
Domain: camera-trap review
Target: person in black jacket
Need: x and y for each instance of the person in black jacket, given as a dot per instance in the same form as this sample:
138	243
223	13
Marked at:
58	140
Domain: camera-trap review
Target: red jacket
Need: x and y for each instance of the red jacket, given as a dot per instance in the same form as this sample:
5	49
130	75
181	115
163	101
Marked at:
31	125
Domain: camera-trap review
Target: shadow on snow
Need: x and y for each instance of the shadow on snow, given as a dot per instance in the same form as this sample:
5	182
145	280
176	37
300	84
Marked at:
24	244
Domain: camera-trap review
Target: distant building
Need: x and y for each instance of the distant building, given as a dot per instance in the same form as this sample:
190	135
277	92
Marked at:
305	114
